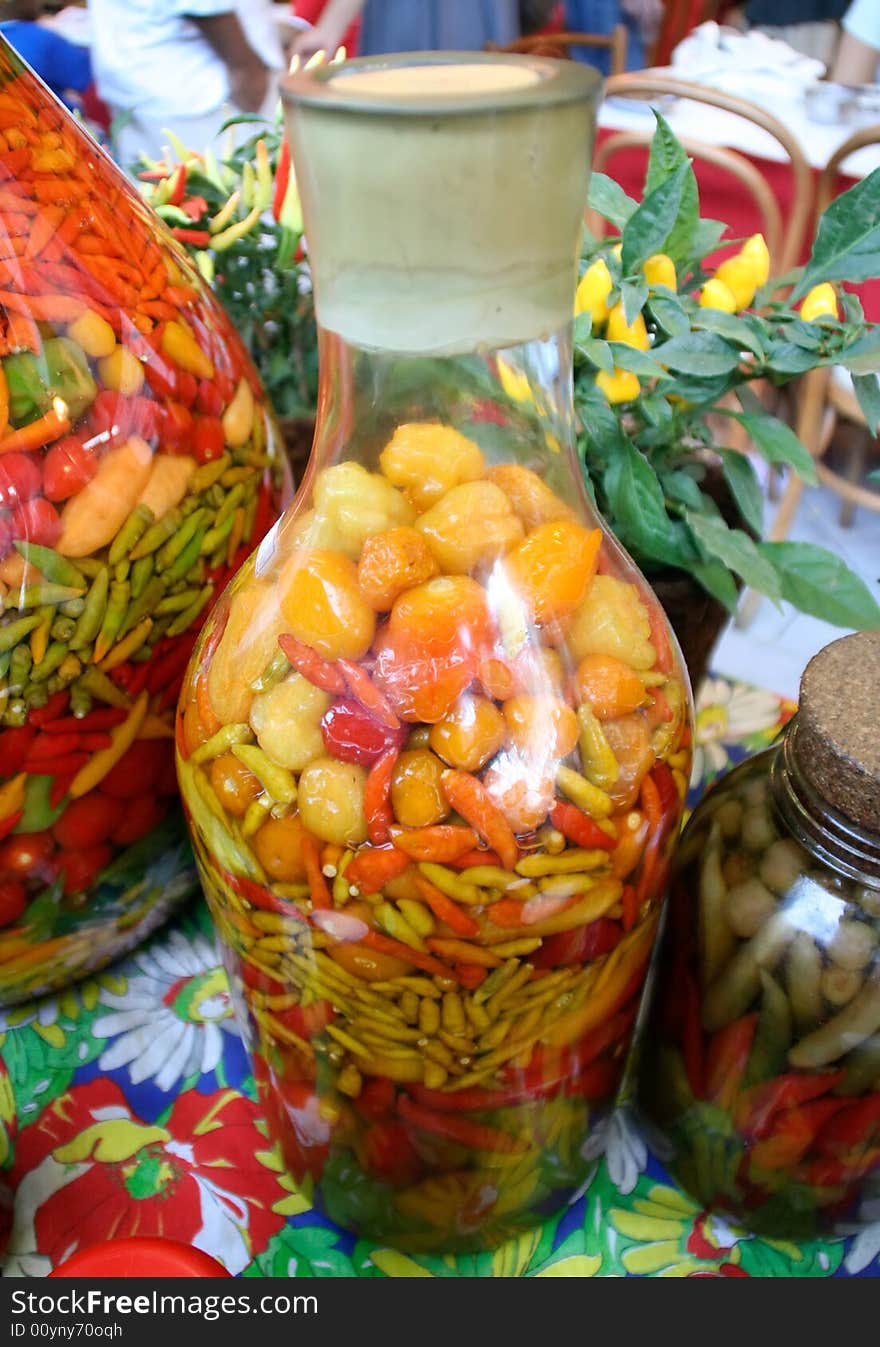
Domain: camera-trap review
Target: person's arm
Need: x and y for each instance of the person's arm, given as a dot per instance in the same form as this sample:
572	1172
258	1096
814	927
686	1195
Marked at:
248	76
856	61
326	34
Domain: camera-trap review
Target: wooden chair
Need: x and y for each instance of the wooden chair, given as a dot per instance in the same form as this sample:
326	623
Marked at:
824	404
559	45
785	236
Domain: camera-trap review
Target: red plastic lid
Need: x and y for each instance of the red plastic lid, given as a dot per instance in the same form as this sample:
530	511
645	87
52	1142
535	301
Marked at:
140	1256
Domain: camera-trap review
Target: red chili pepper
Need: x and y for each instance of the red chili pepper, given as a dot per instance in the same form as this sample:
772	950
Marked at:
383	944
175	427
369	696
630	904
167	667
307	662
178	186
318	888
445	909
838	1173
579	828
282	178
441	843
351	733
208	439
666	787
199	238
306	1021
377	797
14	747
726	1059
756	1107
194	206
475	857
388	1153
259	981
457	1129
104	718
55	747
792	1134
261	897
854	1127
68	765
60	787
373	867
469	975
53	708
597	1081
578	946
469	797
660	637
376	1099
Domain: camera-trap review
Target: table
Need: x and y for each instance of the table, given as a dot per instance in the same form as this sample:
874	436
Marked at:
136	1114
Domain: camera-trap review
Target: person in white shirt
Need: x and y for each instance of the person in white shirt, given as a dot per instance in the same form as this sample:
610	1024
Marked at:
183	66
858	56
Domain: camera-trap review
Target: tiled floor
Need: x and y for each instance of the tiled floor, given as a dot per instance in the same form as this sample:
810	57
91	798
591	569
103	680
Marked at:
774	648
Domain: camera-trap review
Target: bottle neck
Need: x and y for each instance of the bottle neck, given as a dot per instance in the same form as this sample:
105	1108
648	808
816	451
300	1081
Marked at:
817	825
516	402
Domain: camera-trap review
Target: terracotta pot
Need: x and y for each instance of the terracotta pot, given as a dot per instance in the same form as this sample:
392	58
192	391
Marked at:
696	618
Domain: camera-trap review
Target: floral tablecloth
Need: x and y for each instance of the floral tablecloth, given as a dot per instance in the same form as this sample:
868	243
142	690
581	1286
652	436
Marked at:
131	1104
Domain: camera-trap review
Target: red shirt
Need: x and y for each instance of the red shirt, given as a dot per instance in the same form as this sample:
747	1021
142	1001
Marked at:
311	10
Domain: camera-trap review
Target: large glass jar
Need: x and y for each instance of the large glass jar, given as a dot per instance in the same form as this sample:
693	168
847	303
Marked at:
434	739
761	1063
136	472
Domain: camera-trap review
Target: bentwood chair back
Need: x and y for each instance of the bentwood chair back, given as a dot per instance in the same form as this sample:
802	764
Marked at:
784	231
559	45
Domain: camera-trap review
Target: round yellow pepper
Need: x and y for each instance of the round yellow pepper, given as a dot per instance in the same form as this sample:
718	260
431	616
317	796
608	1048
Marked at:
660	270
740	275
820	300
621	386
593	290
122	371
631	334
756	249
716	295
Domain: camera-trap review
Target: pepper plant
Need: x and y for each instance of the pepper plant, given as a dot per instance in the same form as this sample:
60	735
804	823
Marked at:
671	350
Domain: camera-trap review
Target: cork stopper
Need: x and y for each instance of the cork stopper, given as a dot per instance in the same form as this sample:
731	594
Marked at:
838	727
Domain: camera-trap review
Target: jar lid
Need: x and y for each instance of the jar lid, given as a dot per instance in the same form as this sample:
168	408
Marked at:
837	741
140	1256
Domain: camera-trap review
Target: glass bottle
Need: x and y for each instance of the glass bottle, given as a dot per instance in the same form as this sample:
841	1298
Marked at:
137	468
760	1066
433	741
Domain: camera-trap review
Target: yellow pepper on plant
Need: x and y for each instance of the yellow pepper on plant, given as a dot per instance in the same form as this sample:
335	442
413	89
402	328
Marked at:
592	292
819	302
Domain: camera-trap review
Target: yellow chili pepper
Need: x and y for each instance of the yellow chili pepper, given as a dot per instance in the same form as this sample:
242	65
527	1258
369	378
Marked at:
597	756
236	231
819	301
248	183
716	295
263	193
756	249
225	214
740	275
121	739
631	334
93	333
12	795
660	270
592	292
583	793
180	345
621	386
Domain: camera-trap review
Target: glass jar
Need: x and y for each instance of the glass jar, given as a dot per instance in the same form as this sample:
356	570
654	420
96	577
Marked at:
433	740
137	469
761	1061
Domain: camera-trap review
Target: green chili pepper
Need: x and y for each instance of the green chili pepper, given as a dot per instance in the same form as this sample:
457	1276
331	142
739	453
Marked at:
114	617
70	668
140	574
215	536
49	663
173	548
772	1035
20	664
142	605
176	603
72	607
16	713
38	596
156	535
80	700
13	632
205	476
233	499
187	559
36	696
135	525
278	665
62	629
96	683
60	370
54	567
93	613
190	614
276	781
222	742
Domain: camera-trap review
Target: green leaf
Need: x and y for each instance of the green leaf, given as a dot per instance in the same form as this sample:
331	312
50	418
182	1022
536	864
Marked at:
596	351
847	243
636	502
735	549
648	229
743	481
700	353
680	486
820	583
641	363
867	390
610	200
696	391
633	296
777	442
668	156
655	409
808	335
717	580
785	357
863	357
670	315
729	326
707	237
